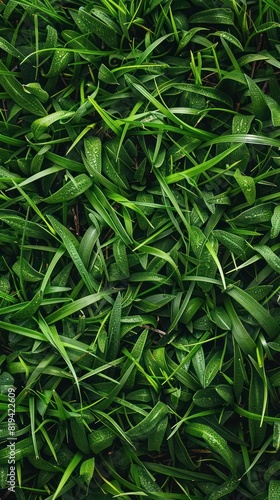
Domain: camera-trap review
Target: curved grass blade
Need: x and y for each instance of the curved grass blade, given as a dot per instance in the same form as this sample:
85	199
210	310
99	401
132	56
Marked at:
199	169
242	337
77	305
264	318
68	473
194	132
71	245
54	340
15	91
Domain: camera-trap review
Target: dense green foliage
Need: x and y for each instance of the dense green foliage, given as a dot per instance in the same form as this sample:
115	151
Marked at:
139	269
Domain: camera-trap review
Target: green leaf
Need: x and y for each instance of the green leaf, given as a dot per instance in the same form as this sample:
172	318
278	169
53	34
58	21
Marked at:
273	489
30	308
242	337
40	125
154	302
254	215
264	318
214	16
259	104
26	272
16	92
271	258
224	489
36	90
229	38
275	222
106	75
73	188
92	24
75	306
114	329
71	245
247	186
257	404
87	470
68	472
198	169
236	244
214	441
93	150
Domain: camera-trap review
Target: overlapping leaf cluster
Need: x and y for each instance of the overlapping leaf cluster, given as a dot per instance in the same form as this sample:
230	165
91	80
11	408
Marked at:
139	271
